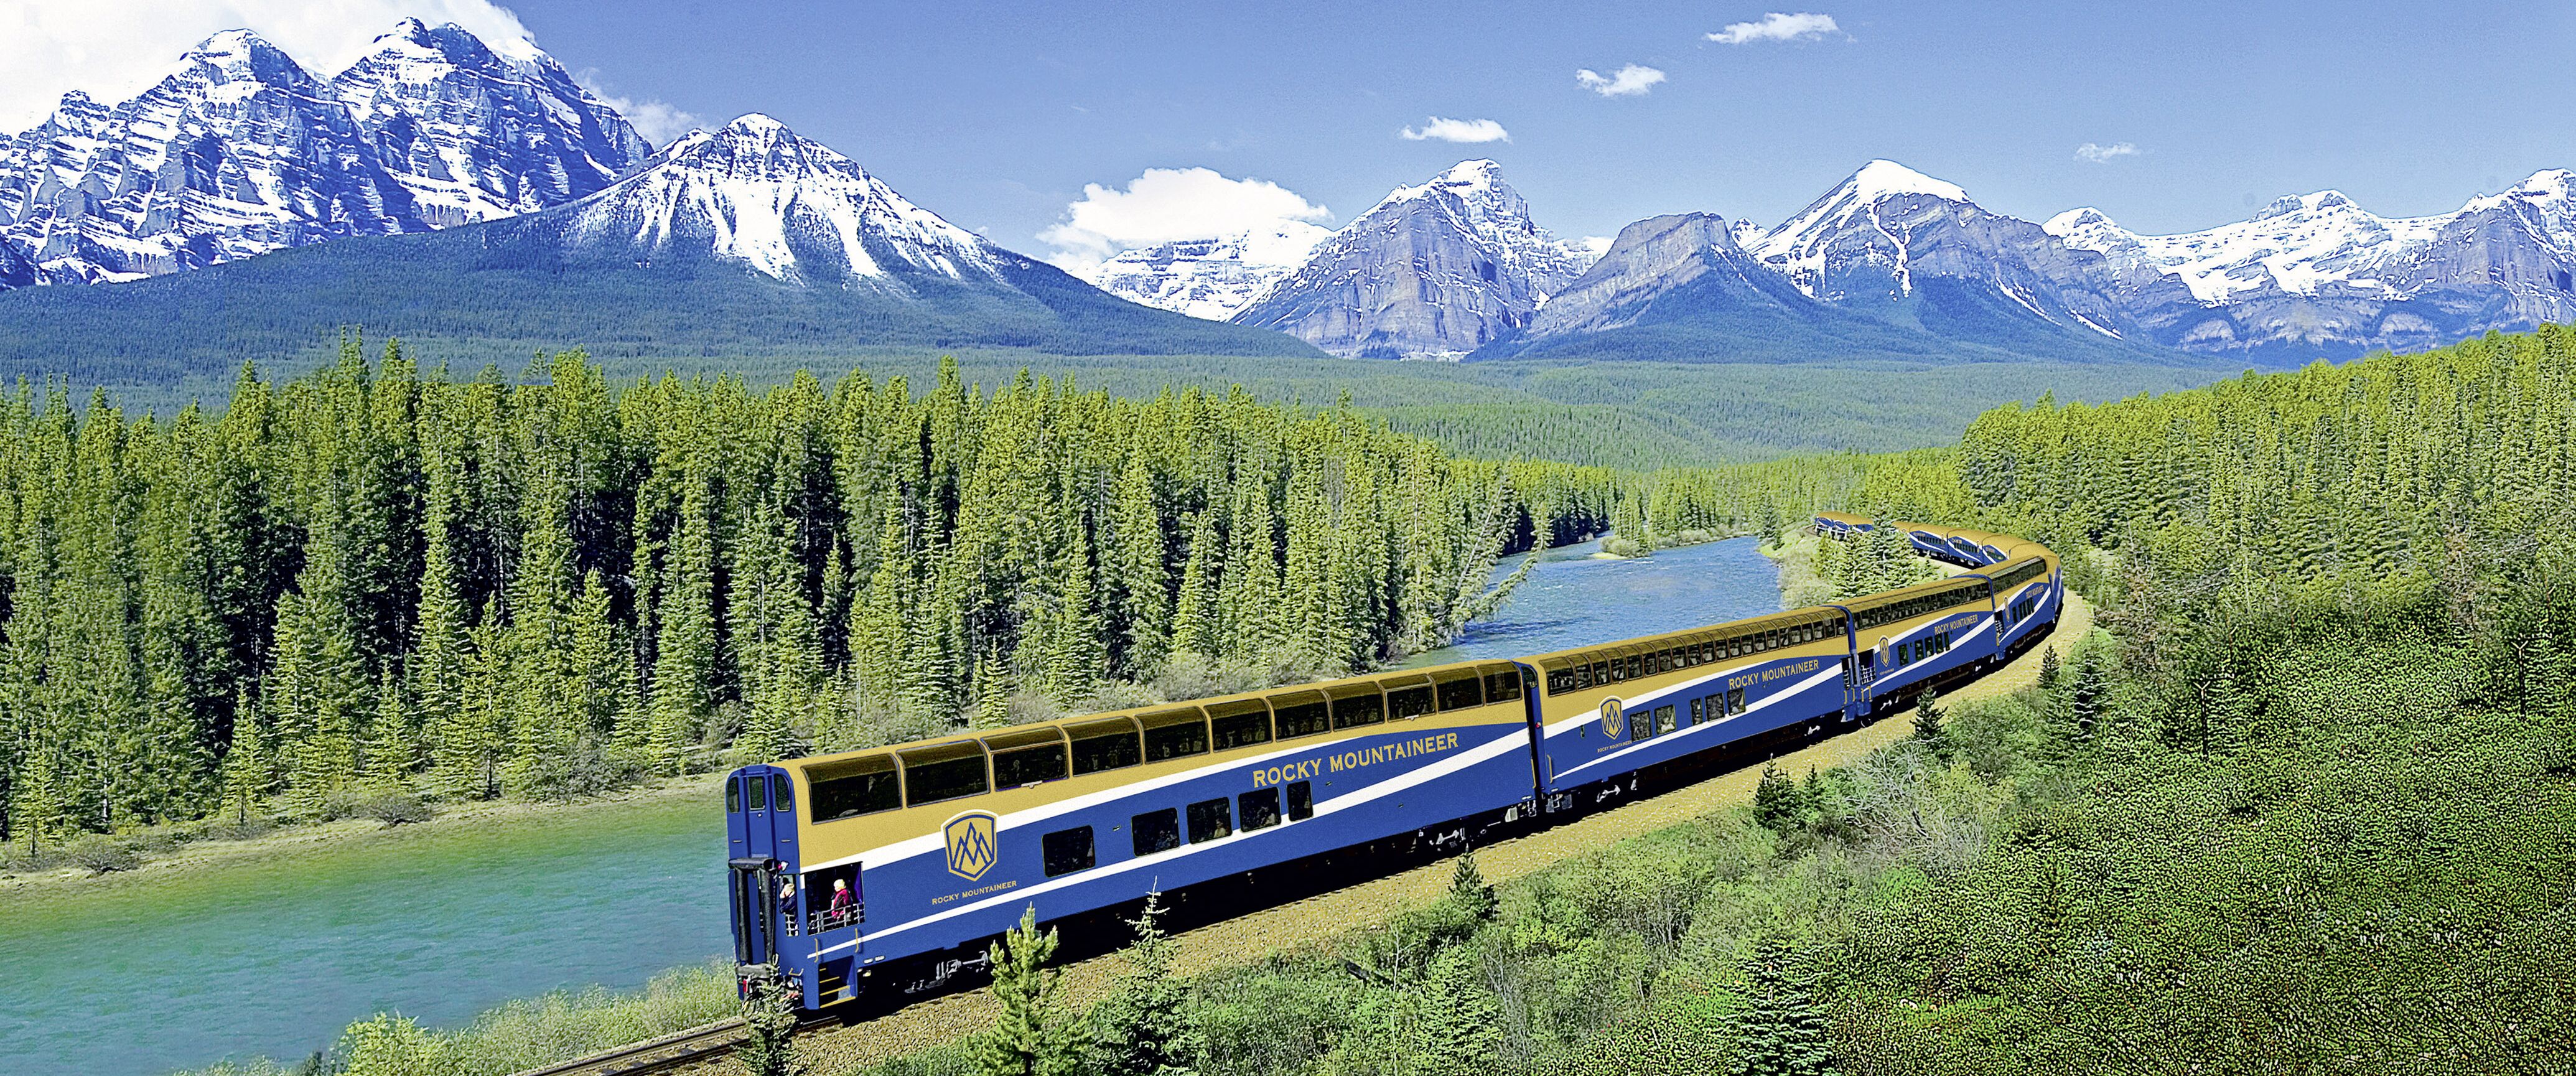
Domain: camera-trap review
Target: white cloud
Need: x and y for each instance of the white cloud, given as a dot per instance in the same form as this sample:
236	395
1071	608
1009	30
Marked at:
1448	130
658	121
2099	153
1777	27
1628	81
1167	204
114	49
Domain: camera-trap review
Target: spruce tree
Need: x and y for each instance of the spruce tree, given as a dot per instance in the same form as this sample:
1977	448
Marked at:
2087	701
1777	803
1928	728
1144	1029
1033	1036
1462	1029
1780	1031
769	1014
2048	668
1469	890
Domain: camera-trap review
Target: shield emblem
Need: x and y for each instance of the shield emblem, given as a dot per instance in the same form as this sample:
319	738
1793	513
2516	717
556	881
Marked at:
1613	717
970	844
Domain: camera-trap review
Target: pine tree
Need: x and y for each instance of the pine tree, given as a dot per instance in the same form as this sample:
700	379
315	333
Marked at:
1194	626
1143	583
2048	668
1469	890
1780	1032
2087	701
1777	803
1033	1036
1928	728
1144	1029
769	1014
246	768
1462	1026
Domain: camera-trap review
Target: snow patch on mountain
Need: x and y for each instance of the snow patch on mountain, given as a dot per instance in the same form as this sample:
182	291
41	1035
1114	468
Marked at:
1209	278
2298	244
756	193
1803	247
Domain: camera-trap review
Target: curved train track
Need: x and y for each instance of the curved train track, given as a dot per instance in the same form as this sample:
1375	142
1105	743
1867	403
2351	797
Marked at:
705	1042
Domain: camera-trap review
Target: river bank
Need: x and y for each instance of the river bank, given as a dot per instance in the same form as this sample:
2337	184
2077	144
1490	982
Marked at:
288	840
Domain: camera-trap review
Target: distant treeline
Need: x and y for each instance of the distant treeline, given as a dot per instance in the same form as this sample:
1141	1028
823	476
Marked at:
368	579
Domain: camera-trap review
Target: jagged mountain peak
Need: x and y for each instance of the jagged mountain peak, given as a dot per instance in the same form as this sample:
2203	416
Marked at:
757	193
1436	269
239	150
411	36
2310	203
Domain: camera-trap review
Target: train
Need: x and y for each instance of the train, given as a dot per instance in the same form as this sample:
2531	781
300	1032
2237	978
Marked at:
887	872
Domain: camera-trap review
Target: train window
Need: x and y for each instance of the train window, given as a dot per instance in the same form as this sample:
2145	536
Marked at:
848	789
1735	701
1663	719
1636	666
944	772
1301	715
1641	724
1174	734
733	796
1600	673
1156	831
759	790
1355	710
1028	765
780	797
1301	801
1241	723
1461	693
1067	850
1411	702
1699	711
1211	819
1618	670
1260	808
1707	652
1503	686
1105	745
1582	676
1560	681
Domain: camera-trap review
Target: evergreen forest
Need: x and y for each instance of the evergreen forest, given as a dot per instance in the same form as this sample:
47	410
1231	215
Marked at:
369	580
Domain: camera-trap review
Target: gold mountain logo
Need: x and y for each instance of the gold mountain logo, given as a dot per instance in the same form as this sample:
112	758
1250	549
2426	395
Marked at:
1612	718
970	844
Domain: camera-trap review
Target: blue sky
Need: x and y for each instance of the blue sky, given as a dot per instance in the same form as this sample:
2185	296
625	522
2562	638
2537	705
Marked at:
998	114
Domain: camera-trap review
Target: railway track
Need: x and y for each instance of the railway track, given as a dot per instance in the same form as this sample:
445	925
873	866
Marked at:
705	1042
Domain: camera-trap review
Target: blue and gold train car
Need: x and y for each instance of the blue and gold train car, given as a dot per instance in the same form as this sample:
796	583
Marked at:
889	869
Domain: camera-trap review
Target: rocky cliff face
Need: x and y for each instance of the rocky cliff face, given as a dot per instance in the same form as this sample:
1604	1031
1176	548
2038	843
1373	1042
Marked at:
1658	258
239	151
1433	271
475	135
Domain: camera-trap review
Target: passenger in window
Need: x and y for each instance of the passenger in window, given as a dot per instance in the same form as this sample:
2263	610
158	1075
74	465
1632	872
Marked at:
844	903
787	901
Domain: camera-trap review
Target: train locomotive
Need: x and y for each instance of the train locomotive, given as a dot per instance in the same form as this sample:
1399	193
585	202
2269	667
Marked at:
891	869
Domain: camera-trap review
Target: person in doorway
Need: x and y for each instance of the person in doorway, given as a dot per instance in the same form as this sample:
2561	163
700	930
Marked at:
844	904
787	901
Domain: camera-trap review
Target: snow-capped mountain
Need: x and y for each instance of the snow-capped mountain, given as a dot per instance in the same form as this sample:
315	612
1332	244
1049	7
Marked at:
755	193
1892	236
1432	271
1208	278
2316	271
239	151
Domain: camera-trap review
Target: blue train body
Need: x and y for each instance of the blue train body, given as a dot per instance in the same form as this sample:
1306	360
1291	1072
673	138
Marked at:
906	860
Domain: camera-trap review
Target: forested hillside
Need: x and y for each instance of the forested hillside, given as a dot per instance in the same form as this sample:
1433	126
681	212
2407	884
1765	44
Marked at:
2308	806
369	579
